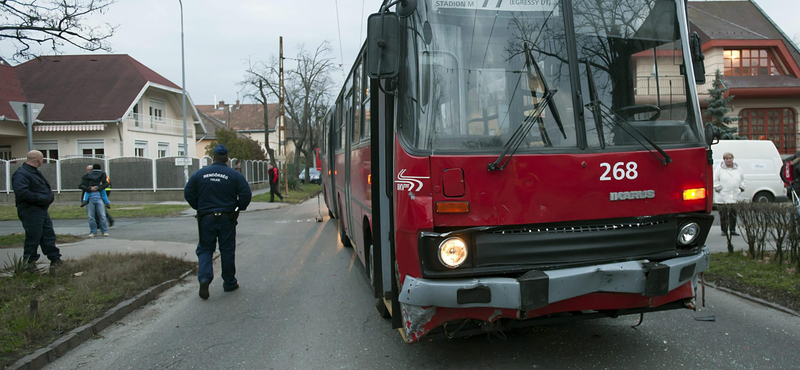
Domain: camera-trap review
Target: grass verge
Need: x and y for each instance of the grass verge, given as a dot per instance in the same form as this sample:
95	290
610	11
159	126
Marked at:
295	196
17	240
765	280
74	212
67	301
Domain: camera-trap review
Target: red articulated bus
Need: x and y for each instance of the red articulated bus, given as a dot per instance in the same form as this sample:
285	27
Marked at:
498	164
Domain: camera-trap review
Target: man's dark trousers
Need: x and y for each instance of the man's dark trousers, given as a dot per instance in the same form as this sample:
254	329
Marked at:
274	189
38	231
212	229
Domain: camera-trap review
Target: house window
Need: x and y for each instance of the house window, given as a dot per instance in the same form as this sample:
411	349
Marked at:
49	148
776	124
136	119
5	152
163	150
157	108
750	62
181	152
92	148
140	148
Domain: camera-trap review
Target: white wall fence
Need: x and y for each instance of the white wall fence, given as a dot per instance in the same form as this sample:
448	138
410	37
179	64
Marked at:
128	173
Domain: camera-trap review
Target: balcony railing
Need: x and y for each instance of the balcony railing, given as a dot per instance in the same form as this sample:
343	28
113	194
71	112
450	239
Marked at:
160	125
668	85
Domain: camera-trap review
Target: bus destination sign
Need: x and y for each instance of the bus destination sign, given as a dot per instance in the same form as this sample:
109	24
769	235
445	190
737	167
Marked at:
504	5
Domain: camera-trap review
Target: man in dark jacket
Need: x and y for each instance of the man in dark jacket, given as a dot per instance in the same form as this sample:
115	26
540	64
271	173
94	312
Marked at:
218	193
274	184
92	183
33	197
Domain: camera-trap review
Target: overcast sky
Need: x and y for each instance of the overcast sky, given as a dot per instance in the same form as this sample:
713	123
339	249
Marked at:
221	36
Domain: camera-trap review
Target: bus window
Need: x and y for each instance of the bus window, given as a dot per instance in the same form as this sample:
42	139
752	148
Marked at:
357	99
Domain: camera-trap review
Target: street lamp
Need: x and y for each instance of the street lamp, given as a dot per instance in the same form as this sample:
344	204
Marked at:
183	87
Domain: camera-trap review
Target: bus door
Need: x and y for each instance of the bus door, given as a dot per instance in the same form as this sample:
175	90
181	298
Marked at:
347	115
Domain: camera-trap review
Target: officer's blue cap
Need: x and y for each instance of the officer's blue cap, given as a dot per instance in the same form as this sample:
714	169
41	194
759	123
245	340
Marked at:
221	150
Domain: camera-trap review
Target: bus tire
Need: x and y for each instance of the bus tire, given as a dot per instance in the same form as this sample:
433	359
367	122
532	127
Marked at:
763	197
342	236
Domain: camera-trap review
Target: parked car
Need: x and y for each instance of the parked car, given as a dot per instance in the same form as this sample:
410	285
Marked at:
760	162
313	175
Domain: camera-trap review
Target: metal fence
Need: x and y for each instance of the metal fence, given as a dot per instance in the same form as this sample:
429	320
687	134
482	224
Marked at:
128	173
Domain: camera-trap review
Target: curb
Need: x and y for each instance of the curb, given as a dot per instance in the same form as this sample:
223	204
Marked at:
44	356
754	299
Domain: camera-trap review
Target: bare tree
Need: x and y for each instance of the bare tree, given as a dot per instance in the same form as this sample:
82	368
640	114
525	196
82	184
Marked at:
261	81
308	91
53	22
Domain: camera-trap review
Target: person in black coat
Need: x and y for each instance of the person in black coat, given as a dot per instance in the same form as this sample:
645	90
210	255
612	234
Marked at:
274	184
33	197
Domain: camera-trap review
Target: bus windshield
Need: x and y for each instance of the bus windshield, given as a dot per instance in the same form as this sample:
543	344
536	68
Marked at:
468	81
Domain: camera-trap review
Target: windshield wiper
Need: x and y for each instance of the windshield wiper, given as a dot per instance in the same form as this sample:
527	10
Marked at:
601	111
522	130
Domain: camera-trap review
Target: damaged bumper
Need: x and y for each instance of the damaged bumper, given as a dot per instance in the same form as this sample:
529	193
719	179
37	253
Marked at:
537	289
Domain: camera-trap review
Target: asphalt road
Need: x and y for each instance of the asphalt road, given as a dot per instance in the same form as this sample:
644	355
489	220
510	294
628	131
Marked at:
305	304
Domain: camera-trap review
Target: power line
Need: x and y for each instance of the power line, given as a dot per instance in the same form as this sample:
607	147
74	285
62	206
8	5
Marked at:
341	53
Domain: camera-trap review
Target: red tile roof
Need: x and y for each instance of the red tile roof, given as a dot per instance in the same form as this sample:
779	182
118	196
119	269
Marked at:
82	87
245	117
10	90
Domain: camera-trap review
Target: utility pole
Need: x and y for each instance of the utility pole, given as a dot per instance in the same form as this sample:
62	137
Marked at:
282	115
183	93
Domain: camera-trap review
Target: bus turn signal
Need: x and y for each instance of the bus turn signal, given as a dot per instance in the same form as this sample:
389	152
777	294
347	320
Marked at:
452	207
694	194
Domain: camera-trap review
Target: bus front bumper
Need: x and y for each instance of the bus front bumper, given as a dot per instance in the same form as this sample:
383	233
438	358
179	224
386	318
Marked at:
537	289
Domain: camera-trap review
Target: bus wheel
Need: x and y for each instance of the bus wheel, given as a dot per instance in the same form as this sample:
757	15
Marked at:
342	236
763	197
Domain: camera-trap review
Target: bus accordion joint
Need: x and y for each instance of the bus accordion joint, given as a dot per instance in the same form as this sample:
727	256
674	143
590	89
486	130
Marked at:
694	194
452	207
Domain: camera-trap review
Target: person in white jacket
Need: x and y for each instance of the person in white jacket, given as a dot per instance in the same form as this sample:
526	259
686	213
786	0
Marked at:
729	183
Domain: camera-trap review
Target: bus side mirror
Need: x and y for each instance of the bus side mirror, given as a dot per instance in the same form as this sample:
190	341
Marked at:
383	45
712	134
698	59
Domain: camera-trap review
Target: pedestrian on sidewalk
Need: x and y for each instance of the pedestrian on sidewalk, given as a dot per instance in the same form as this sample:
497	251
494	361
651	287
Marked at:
729	183
103	193
93	183
218	193
33	197
274	184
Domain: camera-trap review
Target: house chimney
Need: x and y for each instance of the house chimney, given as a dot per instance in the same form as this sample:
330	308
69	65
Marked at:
237	102
221	103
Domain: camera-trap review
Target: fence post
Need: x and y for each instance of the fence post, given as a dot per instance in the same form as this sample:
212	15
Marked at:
108	169
8	177
58	176
155	182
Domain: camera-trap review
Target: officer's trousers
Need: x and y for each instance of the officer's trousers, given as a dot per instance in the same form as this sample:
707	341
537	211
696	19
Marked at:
215	229
38	231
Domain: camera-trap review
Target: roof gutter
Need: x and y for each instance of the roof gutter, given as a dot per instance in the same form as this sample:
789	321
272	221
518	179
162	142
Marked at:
119	132
764	92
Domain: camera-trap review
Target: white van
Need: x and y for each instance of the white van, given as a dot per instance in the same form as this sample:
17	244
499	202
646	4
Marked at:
760	162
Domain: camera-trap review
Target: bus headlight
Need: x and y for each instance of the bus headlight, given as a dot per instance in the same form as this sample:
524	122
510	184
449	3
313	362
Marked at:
688	233
452	252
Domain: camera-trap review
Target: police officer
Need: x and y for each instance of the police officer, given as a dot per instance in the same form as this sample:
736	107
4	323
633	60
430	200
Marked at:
33	197
218	193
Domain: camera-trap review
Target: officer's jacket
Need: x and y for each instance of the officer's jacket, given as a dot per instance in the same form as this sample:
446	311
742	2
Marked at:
30	187
217	188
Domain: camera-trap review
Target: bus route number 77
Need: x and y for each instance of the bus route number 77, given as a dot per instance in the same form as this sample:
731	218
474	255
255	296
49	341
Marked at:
621	171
